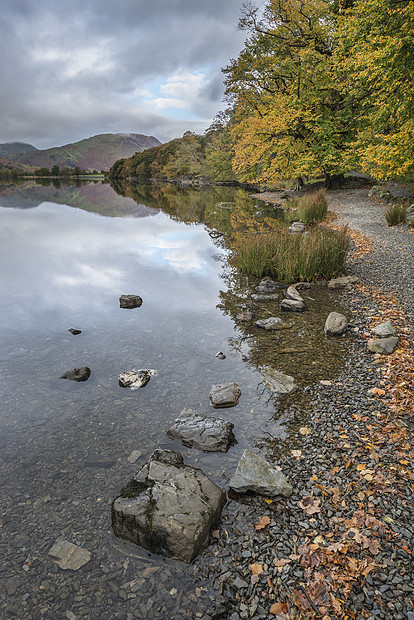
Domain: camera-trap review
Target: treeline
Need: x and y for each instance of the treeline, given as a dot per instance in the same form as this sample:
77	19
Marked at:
14	173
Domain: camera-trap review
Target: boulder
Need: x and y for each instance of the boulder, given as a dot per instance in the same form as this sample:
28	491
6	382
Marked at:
130	301
202	432
77	374
385	330
273	322
293	294
135	379
291	305
267	285
224	395
385	346
168	508
254	473
276	381
336	324
344	282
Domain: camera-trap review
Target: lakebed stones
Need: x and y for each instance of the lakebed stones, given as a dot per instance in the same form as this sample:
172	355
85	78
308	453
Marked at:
336	324
77	374
202	432
272	323
224	395
267	285
130	301
344	282
255	473
69	556
294	301
385	330
135	379
168	508
276	381
384	346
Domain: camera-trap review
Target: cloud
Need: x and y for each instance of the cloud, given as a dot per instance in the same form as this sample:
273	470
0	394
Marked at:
71	70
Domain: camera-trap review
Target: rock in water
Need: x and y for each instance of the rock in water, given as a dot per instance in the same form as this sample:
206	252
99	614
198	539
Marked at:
77	374
69	556
130	301
168	508
291	305
254	473
385	330
273	322
267	285
224	395
135	379
276	381
74	331
385	346
336	324
202	432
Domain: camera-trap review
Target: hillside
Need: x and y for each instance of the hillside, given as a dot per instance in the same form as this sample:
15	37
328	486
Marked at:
13	148
96	153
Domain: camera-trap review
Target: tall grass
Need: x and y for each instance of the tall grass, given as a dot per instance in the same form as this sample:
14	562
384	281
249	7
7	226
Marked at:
310	209
320	253
396	214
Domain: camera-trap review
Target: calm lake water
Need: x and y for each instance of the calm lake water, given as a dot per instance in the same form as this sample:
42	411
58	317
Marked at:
66	255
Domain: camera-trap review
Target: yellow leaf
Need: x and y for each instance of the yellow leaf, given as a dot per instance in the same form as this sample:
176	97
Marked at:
361	467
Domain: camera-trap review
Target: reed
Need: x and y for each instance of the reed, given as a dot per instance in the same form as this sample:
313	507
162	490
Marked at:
310	208
397	214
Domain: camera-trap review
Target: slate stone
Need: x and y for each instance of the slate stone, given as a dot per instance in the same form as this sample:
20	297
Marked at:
74	331
267	285
69	556
385	346
135	379
272	323
276	381
130	301
290	305
202	432
385	330
344	282
255	473
224	395
99	460
293	294
77	374
336	324
168	509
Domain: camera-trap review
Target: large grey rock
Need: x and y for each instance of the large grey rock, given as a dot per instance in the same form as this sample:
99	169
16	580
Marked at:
254	473
202	432
385	330
135	379
276	381
130	301
385	346
69	556
267	285
336	324
224	395
168	508
344	282
273	322
77	374
291	305
293	294
297	227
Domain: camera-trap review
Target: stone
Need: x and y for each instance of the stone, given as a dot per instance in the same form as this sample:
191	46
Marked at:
265	297
271	323
276	381
135	379
74	331
134	456
130	301
77	374
336	324
69	556
168	509
255	473
292	293
385	346
290	305
297	227
245	316
224	395
267	285
385	330
344	282
202	432
220	355
99	460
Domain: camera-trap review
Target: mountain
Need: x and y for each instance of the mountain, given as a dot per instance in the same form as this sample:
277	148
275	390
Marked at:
11	148
97	153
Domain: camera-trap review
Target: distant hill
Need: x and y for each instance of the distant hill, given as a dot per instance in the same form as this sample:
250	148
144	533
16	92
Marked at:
11	148
97	153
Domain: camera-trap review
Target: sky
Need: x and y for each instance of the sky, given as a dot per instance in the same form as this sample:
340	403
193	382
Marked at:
71	70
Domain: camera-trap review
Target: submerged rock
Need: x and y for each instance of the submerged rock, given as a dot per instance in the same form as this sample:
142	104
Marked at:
168	508
385	346
245	316
220	355
267	285
74	331
224	395
135	379
69	556
130	301
336	324
293	294
276	381
255	473
291	305
77	374
272	323
385	330
264	297
202	432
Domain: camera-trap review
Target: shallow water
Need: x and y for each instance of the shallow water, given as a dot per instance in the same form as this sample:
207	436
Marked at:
66	256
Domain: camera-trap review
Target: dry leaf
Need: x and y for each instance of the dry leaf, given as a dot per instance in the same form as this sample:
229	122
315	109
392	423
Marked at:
257	569
278	608
262	523
296	453
310	505
304	430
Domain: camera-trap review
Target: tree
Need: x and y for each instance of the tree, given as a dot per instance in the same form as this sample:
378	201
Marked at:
55	171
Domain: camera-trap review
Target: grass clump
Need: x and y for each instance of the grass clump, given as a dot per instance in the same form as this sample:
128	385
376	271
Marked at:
310	209
320	253
397	214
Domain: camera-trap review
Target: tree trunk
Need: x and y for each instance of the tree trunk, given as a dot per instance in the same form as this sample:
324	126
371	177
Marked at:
334	181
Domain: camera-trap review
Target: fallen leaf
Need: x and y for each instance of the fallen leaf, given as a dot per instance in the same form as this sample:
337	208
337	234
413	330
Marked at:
262	523
278	608
361	467
406	549
296	453
304	430
323	382
257	569
378	391
282	562
310	505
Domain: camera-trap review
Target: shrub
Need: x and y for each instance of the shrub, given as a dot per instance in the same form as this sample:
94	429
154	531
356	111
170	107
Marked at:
319	253
396	214
310	209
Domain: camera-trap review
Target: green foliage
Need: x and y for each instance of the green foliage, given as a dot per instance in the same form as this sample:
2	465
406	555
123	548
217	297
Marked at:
397	214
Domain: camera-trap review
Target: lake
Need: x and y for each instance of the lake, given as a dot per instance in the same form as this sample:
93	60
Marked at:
67	253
